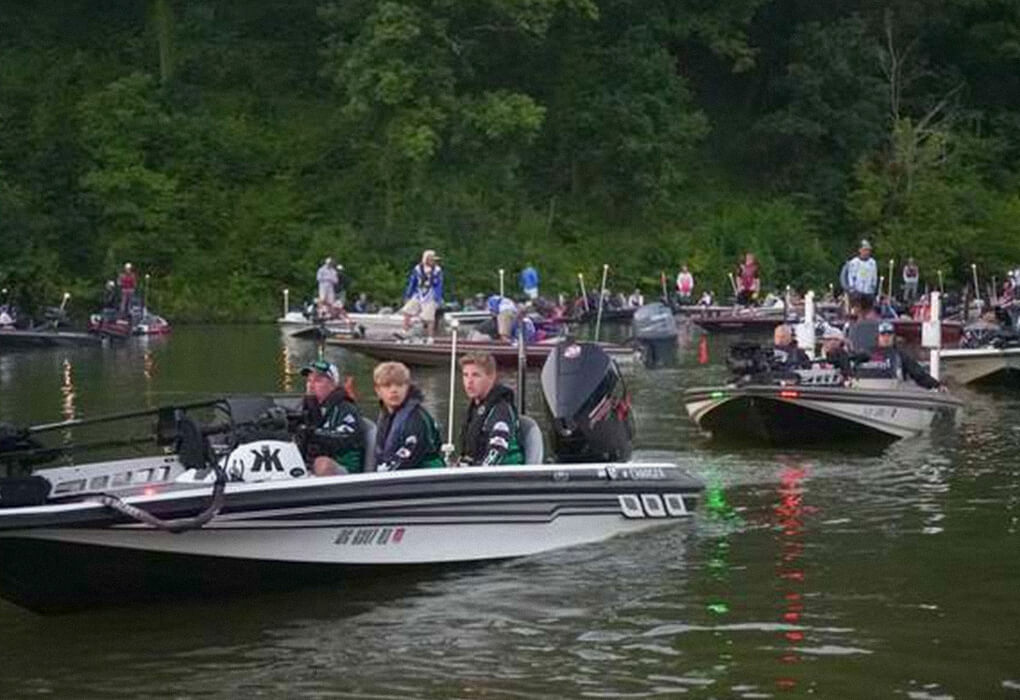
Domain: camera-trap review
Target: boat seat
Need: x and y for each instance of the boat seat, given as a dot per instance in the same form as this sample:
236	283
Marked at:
531	440
368	463
862	336
192	447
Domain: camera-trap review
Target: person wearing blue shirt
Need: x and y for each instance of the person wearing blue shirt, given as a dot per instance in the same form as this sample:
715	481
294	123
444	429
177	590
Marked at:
529	282
424	292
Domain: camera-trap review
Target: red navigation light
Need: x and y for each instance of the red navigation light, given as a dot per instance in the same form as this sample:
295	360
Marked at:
788	394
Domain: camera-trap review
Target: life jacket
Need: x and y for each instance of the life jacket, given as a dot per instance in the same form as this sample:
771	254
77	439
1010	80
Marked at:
883	363
391	431
474	442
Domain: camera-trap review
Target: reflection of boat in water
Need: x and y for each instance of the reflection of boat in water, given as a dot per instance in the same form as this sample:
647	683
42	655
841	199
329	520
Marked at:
815	407
232	509
437	353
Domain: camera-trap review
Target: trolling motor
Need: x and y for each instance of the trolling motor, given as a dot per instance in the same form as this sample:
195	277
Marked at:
654	327
588	405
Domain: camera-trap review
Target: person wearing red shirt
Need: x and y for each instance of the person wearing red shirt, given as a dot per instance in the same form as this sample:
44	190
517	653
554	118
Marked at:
748	283
128	281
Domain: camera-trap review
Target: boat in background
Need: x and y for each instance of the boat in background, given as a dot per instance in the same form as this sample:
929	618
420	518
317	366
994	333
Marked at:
422	352
775	405
144	323
989	366
45	337
817	409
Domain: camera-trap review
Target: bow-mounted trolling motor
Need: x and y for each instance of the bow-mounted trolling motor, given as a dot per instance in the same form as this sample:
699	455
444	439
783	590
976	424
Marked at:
588	405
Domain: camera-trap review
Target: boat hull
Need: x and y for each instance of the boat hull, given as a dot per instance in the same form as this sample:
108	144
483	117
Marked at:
437	354
59	557
813	415
982	366
45	339
737	323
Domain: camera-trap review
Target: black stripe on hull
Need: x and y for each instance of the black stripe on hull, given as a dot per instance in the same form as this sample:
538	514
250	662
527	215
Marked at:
385	496
752	419
52	577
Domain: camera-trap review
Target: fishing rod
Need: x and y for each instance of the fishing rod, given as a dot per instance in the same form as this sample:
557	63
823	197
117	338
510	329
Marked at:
602	298
449	448
111	417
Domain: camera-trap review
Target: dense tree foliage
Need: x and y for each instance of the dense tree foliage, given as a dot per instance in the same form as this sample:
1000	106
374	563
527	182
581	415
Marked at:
225	148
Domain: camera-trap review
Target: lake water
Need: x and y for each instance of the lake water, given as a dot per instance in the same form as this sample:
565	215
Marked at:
826	572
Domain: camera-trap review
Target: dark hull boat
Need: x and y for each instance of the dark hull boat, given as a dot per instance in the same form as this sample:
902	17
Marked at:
876	411
14	338
738	323
416	352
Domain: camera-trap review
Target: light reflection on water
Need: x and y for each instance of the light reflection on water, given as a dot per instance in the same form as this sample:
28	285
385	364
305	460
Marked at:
802	572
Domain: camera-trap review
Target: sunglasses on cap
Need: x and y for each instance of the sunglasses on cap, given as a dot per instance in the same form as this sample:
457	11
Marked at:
322	367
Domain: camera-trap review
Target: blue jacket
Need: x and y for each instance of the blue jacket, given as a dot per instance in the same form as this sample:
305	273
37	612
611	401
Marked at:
425	285
529	278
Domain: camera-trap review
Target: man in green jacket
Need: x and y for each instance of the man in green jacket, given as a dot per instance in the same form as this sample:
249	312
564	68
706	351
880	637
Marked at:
335	440
492	432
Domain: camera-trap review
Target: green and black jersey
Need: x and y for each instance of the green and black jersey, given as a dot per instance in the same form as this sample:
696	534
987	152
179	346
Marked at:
492	433
337	431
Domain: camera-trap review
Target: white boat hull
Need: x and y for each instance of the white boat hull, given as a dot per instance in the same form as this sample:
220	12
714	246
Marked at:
820	415
970	365
60	556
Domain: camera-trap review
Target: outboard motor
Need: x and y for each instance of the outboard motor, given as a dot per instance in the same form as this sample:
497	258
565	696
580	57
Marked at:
654	327
588	405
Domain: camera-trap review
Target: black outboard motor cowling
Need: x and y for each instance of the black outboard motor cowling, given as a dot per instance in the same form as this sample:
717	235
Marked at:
588	405
654	327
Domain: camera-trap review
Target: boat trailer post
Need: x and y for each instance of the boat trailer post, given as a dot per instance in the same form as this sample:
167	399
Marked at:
602	299
891	263
448	448
584	292
977	289
806	330
522	363
502	288
286	301
931	333
63	302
